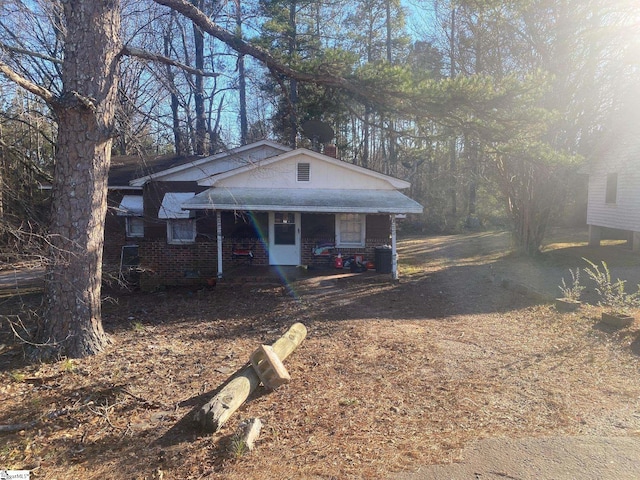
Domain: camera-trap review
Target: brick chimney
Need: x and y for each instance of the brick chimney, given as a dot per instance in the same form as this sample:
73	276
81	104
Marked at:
330	150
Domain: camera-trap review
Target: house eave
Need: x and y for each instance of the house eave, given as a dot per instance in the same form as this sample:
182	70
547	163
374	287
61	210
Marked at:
303	200
124	187
298	208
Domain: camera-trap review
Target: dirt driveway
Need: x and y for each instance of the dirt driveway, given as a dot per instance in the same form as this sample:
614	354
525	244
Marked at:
468	276
445	368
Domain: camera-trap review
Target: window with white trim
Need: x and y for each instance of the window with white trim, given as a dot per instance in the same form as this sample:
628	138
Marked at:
181	230
135	227
350	229
304	172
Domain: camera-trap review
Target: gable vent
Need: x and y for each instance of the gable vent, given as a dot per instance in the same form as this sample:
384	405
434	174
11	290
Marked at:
304	172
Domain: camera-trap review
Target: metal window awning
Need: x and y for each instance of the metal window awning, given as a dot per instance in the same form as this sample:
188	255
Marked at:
131	205
303	200
171	206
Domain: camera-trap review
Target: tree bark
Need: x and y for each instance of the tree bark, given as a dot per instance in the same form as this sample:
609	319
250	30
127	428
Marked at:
242	81
293	83
72	323
213	415
201	117
178	143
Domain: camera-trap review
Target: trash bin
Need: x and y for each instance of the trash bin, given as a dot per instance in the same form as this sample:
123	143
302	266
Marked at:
383	259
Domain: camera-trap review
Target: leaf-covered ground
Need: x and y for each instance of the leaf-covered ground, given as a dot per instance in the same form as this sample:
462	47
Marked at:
390	376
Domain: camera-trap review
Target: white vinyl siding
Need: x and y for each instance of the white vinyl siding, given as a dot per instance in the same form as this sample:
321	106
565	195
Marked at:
624	213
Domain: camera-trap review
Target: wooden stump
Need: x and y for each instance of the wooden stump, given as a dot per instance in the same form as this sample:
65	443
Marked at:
249	431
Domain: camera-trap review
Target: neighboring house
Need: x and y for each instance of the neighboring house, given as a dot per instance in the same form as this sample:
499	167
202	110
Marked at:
263	203
614	184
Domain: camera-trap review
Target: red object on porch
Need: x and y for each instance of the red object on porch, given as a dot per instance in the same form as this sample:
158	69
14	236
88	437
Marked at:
338	262
246	253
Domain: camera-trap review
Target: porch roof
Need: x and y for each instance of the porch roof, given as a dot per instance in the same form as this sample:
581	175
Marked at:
303	200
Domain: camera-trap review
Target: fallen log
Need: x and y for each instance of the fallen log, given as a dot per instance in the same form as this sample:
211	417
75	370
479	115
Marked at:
17	427
214	414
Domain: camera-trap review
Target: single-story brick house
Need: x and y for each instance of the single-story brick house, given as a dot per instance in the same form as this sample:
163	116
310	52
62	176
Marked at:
263	203
614	181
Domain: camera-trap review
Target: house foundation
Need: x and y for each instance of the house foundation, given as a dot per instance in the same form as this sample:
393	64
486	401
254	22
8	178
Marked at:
595	235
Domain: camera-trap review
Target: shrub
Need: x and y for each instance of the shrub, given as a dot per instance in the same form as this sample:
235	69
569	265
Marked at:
574	291
612	293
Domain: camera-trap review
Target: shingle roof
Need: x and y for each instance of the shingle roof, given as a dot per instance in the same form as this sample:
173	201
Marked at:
126	168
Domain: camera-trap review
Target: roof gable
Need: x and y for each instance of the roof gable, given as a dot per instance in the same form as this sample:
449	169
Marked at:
319	171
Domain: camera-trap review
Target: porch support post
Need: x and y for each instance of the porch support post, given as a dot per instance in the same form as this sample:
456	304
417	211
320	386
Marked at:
394	254
595	233
635	246
219	241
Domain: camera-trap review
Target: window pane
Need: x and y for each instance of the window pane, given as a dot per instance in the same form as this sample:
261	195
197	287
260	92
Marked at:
284	234
135	227
284	228
181	230
284	217
351	229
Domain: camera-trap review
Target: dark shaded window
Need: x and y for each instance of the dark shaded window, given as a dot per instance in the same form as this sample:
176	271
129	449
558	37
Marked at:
284	229
612	188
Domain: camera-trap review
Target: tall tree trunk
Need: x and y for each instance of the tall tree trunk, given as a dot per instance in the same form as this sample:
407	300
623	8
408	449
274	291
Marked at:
178	142
242	81
472	150
201	118
293	83
2	179
366	139
393	154
72	323
453	163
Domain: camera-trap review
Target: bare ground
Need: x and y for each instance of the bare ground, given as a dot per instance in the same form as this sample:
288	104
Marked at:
390	378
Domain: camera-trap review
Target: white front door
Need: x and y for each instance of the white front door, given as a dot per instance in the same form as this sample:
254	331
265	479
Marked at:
284	238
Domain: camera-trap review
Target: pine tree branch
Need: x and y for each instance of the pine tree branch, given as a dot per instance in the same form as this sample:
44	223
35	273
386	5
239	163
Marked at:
19	80
154	57
30	53
272	63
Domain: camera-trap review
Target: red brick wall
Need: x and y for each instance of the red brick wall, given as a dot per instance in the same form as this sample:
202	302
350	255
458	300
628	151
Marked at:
115	233
165	264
